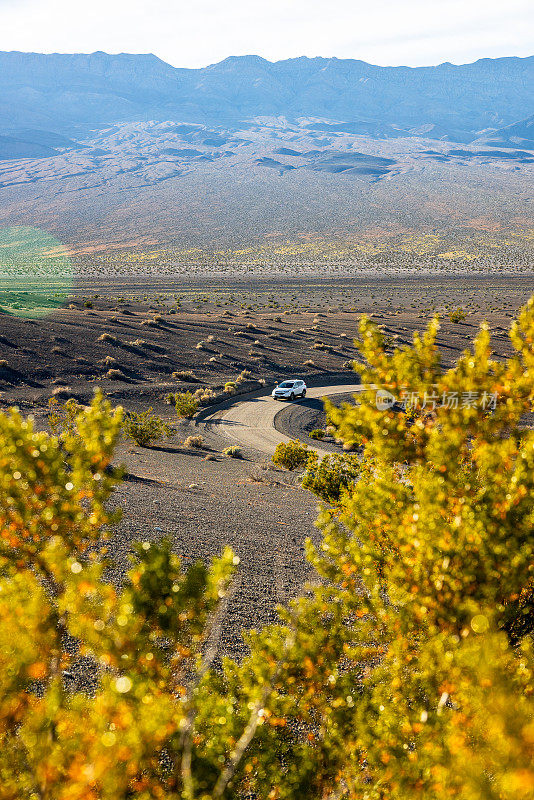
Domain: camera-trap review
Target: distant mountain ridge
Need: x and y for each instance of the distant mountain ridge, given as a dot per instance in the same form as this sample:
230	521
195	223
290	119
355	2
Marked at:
62	93
520	134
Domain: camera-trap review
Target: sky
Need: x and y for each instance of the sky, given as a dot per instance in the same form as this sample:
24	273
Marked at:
194	33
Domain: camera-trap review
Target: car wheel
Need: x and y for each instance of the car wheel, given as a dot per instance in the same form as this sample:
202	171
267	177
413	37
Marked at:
304	393
292	396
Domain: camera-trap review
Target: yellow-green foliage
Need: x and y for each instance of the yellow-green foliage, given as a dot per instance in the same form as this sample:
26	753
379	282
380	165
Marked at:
292	455
62	416
441	535
332	475
147	637
394	677
186	404
457	315
145	427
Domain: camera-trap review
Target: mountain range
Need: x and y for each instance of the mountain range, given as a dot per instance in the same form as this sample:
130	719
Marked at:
106	148
61	92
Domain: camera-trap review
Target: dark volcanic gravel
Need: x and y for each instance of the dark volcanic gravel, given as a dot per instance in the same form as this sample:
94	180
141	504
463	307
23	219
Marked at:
204	506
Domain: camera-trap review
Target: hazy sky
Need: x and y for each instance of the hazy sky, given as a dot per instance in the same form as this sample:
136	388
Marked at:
199	32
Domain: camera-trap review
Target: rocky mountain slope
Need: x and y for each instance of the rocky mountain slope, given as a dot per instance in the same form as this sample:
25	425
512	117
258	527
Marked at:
60	92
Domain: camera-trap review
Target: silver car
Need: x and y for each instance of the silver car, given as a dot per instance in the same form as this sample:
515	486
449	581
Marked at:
288	390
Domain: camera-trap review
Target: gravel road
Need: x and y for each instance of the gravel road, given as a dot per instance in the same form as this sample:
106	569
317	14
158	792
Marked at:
251	423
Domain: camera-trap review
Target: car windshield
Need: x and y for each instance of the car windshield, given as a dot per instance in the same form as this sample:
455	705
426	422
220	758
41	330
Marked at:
287	385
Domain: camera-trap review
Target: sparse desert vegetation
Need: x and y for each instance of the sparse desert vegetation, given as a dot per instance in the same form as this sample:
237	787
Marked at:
145	427
291	455
233	452
185	404
206	594
196	442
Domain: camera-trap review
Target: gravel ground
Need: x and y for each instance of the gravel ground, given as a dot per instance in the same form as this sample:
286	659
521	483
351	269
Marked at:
204	506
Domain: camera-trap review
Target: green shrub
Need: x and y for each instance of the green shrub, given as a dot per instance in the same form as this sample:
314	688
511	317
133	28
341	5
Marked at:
458	315
332	475
62	416
233	452
186	404
292	455
317	433
145	427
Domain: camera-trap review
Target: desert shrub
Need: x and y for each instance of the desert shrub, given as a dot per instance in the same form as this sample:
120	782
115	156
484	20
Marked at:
186	404
194	441
185	375
292	455
62	417
230	387
88	304
233	452
458	315
243	376
115	374
205	394
317	433
332	475
108	337
145	427
309	363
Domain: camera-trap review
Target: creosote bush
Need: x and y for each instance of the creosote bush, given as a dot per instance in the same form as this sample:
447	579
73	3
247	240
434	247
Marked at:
62	417
458	315
145	427
196	442
186	404
332	475
233	452
290	455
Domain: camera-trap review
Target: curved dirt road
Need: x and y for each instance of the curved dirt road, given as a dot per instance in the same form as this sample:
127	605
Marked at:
250	423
